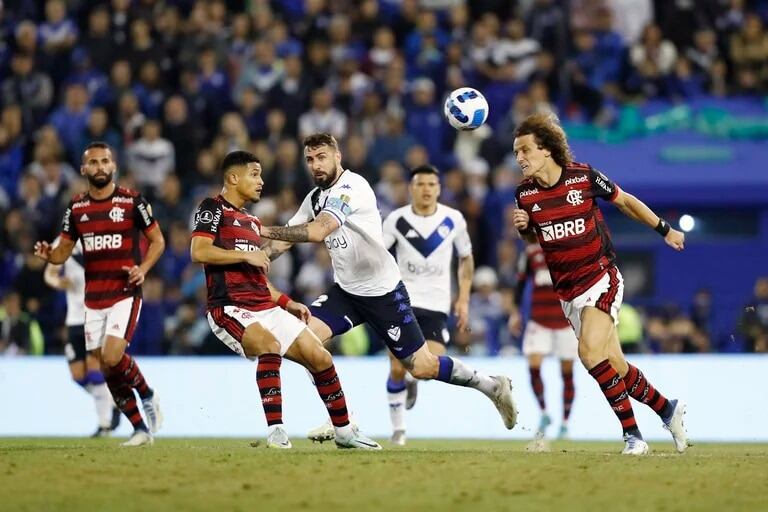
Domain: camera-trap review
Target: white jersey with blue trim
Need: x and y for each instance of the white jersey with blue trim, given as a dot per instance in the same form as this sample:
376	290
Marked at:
362	265
424	247
74	271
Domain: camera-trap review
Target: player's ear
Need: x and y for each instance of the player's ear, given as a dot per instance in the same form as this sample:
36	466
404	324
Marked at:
82	169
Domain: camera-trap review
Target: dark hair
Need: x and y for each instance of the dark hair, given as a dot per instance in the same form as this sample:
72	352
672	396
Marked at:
235	159
321	139
425	169
548	134
97	144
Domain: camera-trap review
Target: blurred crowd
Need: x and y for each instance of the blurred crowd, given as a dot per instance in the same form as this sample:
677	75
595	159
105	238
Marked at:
172	85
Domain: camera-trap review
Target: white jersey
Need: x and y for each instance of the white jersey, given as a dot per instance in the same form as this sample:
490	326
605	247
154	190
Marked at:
361	263
74	270
424	246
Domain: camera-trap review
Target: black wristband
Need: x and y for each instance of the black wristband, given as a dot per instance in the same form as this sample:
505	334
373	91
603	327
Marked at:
662	227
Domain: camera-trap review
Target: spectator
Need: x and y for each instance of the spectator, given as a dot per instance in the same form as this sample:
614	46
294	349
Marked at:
98	128
488	318
184	134
11	164
754	319
323	117
98	41
151	158
653	59
71	119
749	53
31	90
20	333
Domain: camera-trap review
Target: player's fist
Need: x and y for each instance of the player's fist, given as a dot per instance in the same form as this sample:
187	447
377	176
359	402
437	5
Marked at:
520	219
515	323
299	310
43	250
258	259
461	310
675	239
135	275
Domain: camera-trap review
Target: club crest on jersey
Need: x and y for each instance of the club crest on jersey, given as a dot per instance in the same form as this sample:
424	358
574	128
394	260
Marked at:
394	332
443	231
574	197
117	214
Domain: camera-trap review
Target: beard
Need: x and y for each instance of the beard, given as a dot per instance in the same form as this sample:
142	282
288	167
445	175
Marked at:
327	180
99	181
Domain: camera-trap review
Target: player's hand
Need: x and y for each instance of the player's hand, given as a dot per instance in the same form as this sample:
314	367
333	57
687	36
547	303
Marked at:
520	219
675	239
299	310
258	259
265	232
43	250
135	275
514	324
461	310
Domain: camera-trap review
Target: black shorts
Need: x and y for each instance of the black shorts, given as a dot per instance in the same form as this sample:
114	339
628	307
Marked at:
74	350
434	325
389	315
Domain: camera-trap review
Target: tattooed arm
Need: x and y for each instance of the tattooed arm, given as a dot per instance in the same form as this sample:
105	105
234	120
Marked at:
316	231
274	248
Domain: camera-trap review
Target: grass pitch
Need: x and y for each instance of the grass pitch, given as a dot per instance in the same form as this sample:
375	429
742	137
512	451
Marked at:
430	475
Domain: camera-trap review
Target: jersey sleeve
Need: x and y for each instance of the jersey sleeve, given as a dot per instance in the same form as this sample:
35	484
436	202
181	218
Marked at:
207	219
143	214
602	187
388	230
342	201
68	228
304	213
462	242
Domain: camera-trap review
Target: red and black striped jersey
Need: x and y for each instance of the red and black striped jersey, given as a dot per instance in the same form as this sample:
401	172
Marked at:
570	227
232	228
545	303
111	233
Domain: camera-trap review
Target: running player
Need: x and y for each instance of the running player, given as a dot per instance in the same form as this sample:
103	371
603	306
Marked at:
110	221
557	206
342	212
242	303
84	367
546	332
424	235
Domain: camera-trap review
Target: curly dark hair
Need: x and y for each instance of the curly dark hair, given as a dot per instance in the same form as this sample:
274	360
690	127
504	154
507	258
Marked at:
321	139
548	134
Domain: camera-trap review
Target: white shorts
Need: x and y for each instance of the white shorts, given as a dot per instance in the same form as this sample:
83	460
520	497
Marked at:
118	320
606	295
229	323
538	339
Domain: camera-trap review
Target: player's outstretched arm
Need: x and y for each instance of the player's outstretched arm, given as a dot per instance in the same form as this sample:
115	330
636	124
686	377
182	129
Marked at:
466	272
56	255
203	251
316	231
637	210
274	248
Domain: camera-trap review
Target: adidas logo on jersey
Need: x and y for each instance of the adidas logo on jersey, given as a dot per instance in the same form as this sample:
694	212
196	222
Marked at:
84	218
536	208
236	223
411	234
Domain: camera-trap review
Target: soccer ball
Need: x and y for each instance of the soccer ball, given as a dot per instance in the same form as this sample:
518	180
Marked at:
466	109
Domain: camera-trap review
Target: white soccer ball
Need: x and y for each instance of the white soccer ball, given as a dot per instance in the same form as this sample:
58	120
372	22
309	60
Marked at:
466	108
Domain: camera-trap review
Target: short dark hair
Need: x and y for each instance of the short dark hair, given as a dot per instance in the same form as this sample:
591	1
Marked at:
235	159
98	144
321	139
424	169
548	133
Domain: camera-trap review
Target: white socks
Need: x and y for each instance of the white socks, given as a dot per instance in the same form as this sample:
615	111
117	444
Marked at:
104	403
463	375
397	409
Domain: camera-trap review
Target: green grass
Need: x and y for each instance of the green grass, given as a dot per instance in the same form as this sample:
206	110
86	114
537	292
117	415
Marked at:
430	475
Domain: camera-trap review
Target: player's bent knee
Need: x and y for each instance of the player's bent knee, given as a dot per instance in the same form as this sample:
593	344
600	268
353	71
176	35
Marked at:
319	360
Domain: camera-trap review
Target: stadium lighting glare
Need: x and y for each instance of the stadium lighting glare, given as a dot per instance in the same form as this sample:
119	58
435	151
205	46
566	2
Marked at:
687	223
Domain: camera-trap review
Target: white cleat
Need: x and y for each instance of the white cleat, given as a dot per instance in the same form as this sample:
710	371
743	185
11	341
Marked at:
139	438
356	440
278	438
676	427
398	438
324	432
634	446
153	413
504	402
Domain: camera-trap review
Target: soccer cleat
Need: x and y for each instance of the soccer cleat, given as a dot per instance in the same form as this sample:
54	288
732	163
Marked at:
152	412
398	438
634	445
563	431
356	440
101	432
324	432
278	438
139	438
676	427
116	414
544	422
411	391
504	402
